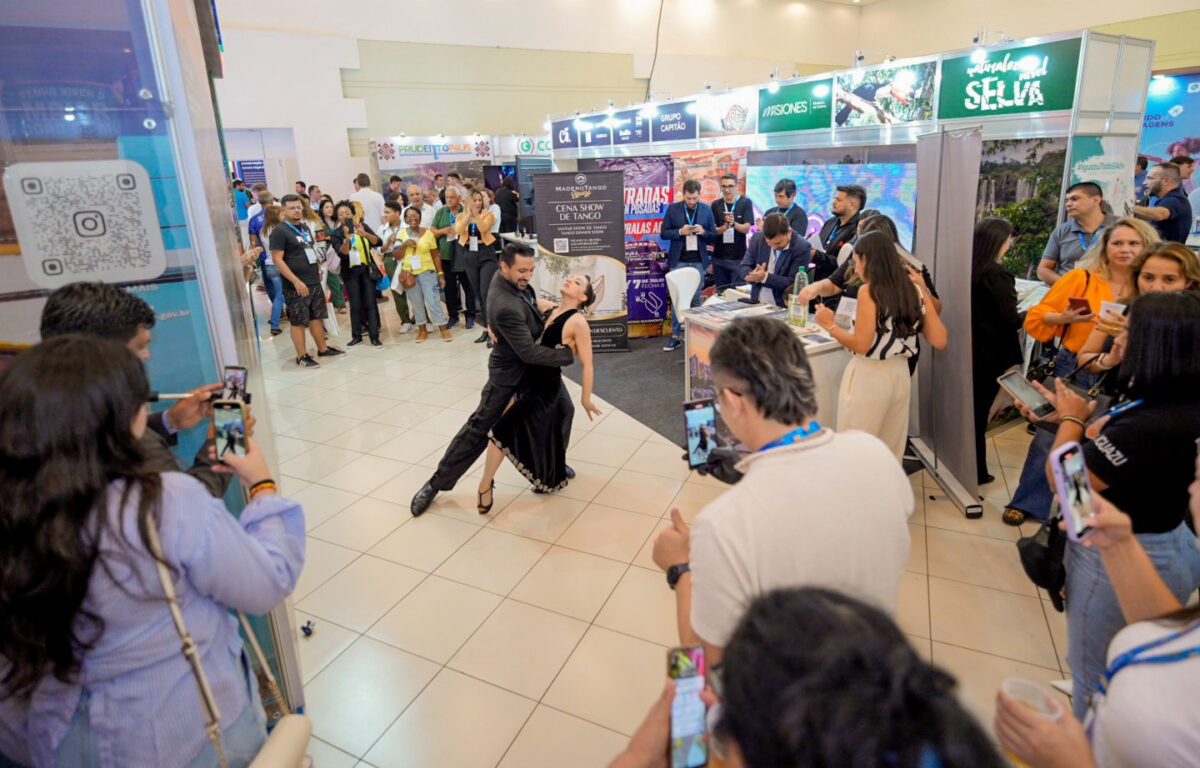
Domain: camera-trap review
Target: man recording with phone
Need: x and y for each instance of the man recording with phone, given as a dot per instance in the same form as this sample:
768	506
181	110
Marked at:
110	312
842	533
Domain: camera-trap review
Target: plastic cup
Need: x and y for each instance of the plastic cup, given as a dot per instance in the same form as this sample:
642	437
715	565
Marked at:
1035	697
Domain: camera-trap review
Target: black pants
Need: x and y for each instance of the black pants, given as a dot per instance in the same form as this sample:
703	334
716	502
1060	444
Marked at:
481	266
454	303
985	390
472	440
363	308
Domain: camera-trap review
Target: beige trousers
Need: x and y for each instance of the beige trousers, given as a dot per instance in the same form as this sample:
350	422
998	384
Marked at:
873	398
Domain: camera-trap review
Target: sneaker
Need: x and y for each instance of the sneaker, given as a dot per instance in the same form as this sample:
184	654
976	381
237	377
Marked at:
672	345
446	335
376	343
330	352
306	361
422	334
406	327
451	322
470	323
355	342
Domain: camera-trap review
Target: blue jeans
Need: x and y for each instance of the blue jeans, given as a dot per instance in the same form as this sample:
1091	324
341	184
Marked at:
1034	495
274	284
425	299
1093	613
697	299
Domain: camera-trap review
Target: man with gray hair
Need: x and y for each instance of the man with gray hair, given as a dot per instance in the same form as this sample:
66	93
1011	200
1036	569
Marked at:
844	528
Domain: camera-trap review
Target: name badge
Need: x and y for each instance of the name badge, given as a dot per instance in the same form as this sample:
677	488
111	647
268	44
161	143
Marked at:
473	244
728	236
311	253
692	243
415	261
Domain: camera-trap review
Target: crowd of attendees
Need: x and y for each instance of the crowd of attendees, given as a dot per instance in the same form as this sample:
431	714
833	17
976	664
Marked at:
793	603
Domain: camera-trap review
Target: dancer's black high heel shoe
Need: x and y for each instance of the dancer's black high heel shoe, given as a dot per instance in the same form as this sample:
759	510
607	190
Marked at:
482	509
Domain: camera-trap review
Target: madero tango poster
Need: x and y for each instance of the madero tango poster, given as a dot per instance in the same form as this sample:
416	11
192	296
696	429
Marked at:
581	231
648	192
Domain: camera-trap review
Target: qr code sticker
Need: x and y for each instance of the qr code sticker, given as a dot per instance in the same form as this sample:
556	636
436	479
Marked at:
561	245
92	220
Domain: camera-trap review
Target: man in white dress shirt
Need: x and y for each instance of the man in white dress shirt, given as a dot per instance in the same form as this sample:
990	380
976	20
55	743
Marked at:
370	200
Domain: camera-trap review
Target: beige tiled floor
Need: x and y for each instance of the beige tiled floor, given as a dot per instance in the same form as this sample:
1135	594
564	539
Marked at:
536	636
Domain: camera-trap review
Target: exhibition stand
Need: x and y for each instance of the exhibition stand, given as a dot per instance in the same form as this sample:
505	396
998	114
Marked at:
1036	115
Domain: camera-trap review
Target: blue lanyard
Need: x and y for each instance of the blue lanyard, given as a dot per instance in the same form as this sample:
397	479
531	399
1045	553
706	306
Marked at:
1127	406
729	207
799	433
1134	656
474	229
837	228
1085	244
302	235
690	219
789	210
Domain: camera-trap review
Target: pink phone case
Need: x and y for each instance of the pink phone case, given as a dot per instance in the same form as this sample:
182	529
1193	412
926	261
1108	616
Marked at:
1064	487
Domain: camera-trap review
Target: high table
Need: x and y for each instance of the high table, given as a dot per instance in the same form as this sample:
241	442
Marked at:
827	357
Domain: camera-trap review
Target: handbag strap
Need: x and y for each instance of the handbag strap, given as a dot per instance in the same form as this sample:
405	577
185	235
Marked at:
212	714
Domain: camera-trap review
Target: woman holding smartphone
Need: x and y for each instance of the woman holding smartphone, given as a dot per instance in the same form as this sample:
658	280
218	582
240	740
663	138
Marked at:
892	311
329	222
1168	267
1142	461
1068	313
353	240
478	247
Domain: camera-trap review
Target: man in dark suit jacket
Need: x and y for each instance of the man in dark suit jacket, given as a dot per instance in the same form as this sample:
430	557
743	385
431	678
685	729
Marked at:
689	226
514	318
775	255
110	312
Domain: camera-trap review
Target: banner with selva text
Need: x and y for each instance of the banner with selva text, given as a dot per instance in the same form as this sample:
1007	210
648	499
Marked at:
581	224
648	192
1009	81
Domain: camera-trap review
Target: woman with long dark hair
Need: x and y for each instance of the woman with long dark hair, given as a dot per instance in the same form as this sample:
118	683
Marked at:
328	223
892	311
91	671
812	677
995	326
477	244
507	199
1142	461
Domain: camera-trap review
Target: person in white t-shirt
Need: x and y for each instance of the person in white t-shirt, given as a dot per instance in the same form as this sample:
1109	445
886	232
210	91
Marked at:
370	200
814	508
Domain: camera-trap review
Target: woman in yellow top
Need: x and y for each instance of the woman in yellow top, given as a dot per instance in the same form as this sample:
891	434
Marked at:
1105	273
474	227
422	260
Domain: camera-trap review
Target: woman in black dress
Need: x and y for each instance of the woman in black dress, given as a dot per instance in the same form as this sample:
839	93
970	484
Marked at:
995	326
507	199
528	433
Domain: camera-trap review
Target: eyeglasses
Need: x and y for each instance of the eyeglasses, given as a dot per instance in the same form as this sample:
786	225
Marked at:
728	186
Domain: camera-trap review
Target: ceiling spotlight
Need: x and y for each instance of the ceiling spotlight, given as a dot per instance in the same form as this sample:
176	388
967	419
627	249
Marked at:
649	111
611	107
773	87
546	126
978	56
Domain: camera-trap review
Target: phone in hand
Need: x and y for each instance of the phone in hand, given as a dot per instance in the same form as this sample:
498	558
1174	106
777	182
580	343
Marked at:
229	423
1016	385
1079	303
686	667
700	429
1075	495
235	383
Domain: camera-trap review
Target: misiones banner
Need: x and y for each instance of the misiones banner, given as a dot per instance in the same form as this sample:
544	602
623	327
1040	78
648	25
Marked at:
581	231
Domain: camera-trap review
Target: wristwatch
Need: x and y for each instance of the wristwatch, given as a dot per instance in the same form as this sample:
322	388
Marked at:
674	572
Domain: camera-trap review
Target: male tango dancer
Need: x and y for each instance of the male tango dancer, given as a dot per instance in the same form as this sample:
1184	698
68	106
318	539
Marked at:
514	318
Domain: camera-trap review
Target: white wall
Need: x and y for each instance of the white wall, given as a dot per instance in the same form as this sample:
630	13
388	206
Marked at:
281	80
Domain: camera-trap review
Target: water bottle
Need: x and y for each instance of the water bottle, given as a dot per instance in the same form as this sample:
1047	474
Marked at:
798	309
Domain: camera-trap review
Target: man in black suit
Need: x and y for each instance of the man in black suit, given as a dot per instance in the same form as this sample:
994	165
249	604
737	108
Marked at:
514	318
774	257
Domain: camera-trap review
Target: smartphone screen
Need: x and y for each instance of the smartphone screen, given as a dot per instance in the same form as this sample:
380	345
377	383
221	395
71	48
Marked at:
1074	489
235	383
700	426
1016	385
686	667
230	426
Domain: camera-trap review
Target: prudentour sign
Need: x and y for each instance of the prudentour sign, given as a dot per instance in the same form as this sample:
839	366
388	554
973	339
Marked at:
1030	78
796	107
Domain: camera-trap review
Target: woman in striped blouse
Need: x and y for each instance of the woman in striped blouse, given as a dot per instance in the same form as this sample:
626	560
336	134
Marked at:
892	310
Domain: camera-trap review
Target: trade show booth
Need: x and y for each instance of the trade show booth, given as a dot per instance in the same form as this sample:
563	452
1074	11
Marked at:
937	142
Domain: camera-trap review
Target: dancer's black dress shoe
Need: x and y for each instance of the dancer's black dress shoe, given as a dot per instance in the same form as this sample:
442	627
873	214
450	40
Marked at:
423	499
570	473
